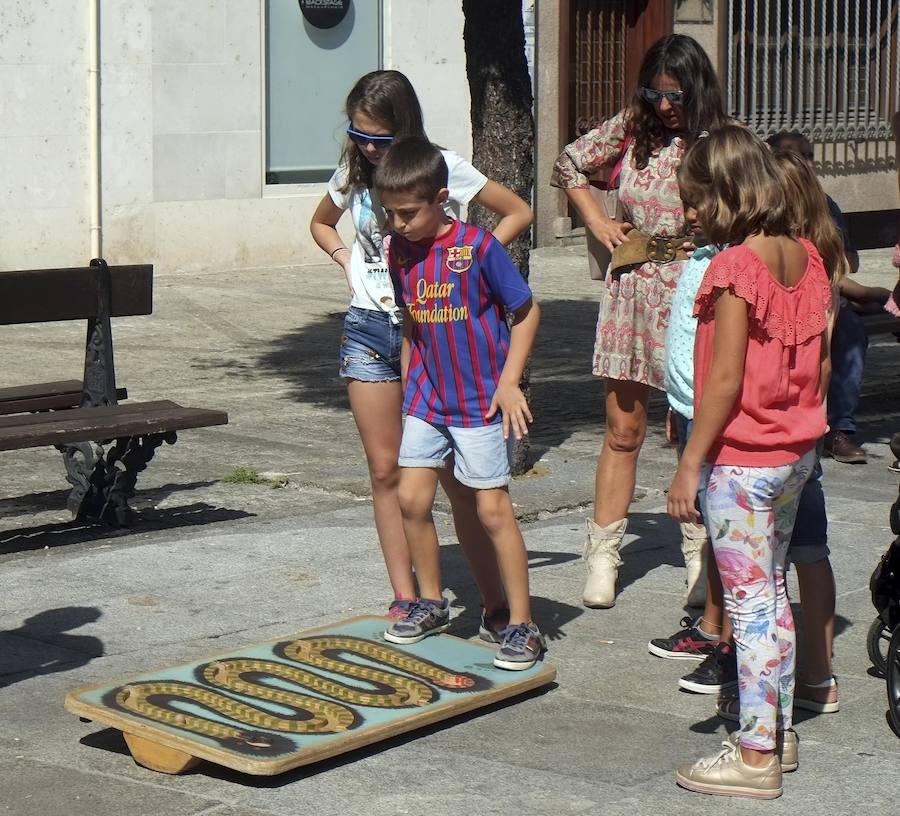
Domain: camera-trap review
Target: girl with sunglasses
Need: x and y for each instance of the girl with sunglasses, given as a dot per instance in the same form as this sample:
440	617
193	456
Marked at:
677	99
382	107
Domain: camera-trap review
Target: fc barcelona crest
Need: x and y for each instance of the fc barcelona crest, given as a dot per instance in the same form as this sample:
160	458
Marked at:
459	258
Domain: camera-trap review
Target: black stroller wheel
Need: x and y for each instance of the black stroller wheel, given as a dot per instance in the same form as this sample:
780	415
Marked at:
893	679
877	641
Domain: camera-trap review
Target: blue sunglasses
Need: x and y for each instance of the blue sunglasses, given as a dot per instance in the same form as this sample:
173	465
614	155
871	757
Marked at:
364	139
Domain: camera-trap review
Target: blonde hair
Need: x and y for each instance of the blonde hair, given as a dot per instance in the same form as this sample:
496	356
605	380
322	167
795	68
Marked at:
732	179
810	216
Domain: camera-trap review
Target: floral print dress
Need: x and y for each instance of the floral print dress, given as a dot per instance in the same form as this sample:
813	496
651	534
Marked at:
634	304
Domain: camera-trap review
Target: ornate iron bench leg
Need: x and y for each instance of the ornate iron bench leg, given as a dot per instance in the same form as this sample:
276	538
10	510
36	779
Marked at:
81	460
124	461
102	483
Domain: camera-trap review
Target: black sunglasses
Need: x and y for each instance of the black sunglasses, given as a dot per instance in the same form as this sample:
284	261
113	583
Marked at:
654	97
364	139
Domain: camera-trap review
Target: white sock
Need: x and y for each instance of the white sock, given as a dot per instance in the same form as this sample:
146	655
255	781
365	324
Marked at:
829	683
706	635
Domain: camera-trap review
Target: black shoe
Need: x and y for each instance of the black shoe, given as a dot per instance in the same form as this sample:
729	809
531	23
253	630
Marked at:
716	673
686	644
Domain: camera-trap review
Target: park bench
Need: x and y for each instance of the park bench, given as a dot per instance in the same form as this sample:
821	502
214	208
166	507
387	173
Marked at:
81	418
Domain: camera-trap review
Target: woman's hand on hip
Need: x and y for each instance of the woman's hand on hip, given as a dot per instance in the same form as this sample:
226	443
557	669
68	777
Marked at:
610	233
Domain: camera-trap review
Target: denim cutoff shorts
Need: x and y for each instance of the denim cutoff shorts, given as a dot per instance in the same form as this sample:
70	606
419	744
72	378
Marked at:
809	541
481	454
683	427
370	346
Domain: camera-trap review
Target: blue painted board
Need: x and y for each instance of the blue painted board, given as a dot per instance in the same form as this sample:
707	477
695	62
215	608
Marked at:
274	706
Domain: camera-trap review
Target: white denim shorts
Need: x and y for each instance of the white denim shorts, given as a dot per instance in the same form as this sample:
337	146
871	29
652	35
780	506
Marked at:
481	454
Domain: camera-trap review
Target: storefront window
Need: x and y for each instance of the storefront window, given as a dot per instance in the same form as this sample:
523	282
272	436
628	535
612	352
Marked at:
309	70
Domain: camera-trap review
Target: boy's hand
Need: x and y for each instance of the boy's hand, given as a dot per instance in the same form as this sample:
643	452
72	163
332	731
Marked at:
683	493
513	407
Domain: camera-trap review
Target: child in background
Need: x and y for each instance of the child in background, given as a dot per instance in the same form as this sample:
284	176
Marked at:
702	639
849	340
761	346
381	107
462	366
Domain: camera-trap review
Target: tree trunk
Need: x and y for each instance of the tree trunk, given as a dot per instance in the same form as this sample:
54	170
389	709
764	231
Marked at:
502	122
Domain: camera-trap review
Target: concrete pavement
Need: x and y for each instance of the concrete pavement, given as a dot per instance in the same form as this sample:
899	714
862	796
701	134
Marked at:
212	566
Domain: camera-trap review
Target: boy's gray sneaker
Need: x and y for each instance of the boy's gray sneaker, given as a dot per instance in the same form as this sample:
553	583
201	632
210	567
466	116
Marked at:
521	648
423	619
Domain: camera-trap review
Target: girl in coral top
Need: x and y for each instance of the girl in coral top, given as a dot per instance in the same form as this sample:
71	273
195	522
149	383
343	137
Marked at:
760	352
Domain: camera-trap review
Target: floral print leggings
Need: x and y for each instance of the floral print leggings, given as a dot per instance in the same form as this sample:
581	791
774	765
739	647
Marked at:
750	512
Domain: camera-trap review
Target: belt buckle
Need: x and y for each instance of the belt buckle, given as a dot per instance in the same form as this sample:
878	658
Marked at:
661	250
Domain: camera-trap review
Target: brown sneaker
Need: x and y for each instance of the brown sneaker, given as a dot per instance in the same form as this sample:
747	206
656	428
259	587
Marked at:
840	447
787	748
726	774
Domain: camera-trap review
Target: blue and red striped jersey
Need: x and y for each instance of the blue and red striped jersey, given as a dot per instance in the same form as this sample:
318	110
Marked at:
455	288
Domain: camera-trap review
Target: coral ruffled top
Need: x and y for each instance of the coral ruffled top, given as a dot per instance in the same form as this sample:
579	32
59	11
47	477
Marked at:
779	414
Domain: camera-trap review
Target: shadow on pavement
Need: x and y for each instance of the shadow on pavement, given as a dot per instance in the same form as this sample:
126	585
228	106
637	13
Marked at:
306	359
550	615
565	396
148	520
42	646
658	542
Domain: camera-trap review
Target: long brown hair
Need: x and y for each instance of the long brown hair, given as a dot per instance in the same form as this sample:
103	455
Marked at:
682	58
809	213
389	98
733	180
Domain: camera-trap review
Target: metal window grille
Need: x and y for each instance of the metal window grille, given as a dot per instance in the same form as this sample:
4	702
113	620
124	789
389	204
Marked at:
598	74
827	68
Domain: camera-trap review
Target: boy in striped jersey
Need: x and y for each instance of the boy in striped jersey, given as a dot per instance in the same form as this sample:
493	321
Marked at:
461	368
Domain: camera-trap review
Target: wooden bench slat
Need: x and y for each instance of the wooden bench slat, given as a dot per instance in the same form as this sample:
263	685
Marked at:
99	413
41	295
18	392
92	424
53	396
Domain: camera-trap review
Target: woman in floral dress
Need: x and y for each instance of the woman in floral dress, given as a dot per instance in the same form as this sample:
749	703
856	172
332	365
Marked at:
677	98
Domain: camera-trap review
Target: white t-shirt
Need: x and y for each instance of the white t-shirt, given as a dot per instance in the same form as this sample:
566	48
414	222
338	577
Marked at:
371	281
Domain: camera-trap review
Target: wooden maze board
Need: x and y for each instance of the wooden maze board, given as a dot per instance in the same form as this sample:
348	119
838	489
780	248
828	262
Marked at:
275	706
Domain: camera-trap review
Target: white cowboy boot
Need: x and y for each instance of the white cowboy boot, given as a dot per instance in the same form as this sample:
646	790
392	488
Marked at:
693	543
601	556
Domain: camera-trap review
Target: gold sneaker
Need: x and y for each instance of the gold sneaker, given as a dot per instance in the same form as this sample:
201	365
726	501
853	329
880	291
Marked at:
726	774
787	748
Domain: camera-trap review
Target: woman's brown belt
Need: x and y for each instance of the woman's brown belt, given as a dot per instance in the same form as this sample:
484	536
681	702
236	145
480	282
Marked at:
640	249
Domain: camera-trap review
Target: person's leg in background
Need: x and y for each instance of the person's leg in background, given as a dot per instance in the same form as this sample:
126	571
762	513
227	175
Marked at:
848	357
808	551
